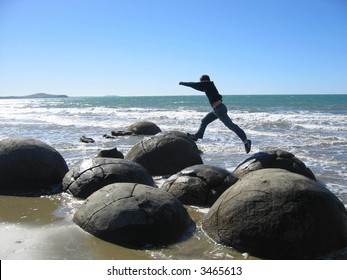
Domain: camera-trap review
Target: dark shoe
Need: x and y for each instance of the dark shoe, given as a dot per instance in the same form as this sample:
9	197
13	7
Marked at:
248	145
192	136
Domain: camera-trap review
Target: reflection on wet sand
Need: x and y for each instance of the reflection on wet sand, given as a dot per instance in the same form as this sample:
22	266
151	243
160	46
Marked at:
42	228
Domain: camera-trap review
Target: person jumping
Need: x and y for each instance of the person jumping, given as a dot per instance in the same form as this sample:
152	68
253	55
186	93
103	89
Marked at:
219	111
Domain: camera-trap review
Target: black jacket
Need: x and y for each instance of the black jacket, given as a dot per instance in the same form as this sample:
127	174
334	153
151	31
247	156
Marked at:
206	86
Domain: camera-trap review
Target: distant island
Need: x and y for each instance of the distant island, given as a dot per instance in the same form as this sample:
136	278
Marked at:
36	95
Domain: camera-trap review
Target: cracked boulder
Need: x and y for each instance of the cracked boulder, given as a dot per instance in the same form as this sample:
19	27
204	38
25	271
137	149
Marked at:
96	173
276	214
273	159
199	184
30	167
165	153
133	215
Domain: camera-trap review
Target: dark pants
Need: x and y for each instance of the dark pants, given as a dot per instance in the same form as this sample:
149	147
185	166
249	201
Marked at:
220	112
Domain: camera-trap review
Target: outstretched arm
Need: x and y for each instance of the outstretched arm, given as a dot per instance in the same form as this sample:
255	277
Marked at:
198	86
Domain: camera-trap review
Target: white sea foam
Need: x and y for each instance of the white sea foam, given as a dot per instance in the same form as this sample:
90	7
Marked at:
318	138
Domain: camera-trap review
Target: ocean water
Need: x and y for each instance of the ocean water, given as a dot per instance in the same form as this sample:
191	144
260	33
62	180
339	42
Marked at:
313	127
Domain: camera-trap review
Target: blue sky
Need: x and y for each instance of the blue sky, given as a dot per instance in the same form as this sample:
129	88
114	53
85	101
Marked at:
145	47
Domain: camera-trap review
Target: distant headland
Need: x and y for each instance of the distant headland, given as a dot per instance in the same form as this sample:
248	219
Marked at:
36	95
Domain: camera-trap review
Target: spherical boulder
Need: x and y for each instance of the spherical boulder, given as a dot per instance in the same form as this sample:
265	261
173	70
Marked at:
144	128
273	159
276	214
30	167
133	215
165	153
96	173
199	184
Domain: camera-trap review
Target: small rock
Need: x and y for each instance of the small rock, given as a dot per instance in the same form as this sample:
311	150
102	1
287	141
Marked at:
86	139
112	153
121	133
